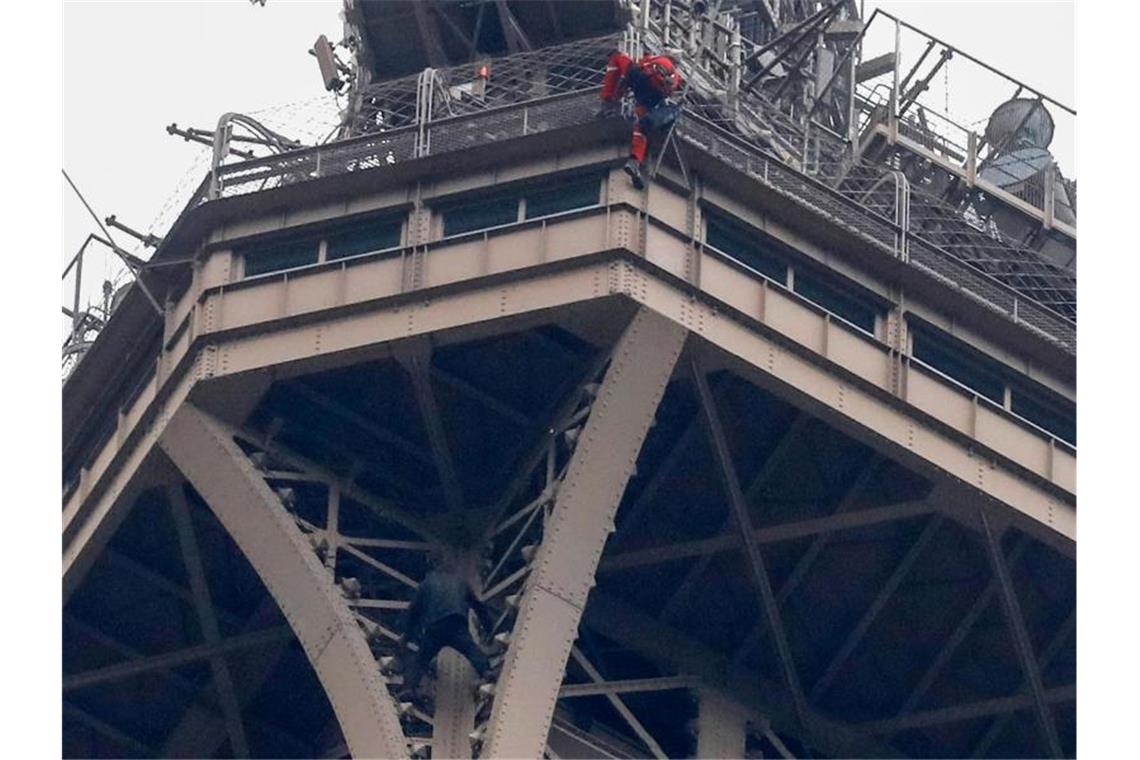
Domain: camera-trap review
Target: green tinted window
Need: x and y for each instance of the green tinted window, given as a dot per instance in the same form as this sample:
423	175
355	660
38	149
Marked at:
837	301
954	359
1058	416
580	193
480	215
365	237
278	256
747	248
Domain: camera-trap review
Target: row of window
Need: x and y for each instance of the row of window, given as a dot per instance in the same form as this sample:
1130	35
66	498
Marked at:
756	251
950	356
384	233
770	258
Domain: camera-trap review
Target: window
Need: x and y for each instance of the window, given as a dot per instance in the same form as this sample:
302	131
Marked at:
480	214
274	257
1058	416
750	249
364	237
953	358
835	300
577	193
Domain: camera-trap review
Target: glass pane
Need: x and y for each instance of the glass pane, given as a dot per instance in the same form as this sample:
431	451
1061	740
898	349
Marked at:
274	258
580	193
849	307
953	358
480	215
1057	416
749	249
367	237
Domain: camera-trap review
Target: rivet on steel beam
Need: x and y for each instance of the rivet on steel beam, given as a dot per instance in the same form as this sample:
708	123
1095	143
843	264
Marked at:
258	459
288	498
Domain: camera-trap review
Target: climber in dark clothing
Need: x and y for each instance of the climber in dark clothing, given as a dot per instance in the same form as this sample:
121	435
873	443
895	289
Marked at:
437	618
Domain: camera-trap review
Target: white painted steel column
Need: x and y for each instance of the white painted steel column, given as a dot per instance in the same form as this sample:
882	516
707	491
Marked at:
721	727
454	717
204	450
580	523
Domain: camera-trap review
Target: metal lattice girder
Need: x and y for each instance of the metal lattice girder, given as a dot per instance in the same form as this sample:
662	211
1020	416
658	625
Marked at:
721	726
454	715
203	448
580	523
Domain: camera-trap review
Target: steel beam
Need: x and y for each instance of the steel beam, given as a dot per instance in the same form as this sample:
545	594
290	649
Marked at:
627	686
207	620
804	564
739	505
1021	640
722	727
646	635
106	729
847	648
454	716
617	703
816	526
204	450
201	731
417	363
580	523
965	625
1067	629
971	711
175	659
687	584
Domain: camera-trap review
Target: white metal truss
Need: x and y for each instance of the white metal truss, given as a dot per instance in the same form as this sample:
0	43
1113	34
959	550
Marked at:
204	450
579	524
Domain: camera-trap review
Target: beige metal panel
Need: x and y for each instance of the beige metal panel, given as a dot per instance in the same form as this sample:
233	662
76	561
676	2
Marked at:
941	400
566	238
364	278
93	512
313	291
353	331
204	450
666	251
663	203
849	349
308	214
220	268
866	409
581	521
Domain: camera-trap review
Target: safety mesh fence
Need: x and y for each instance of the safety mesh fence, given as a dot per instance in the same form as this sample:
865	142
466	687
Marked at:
811	167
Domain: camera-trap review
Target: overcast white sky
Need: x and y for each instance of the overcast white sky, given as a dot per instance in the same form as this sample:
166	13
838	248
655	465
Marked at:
132	67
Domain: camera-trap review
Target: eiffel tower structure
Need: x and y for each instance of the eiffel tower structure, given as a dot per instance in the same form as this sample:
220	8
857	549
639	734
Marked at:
773	458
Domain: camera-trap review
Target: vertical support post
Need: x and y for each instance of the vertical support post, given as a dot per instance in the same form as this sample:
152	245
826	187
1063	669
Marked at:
892	116
1050	195
454	717
972	158
721	726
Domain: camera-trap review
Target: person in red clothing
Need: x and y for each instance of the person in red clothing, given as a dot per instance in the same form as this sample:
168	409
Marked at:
652	80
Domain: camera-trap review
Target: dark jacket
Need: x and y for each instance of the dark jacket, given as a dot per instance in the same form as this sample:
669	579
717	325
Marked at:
440	595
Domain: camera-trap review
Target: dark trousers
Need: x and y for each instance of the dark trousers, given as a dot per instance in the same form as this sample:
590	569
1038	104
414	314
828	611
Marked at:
451	631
